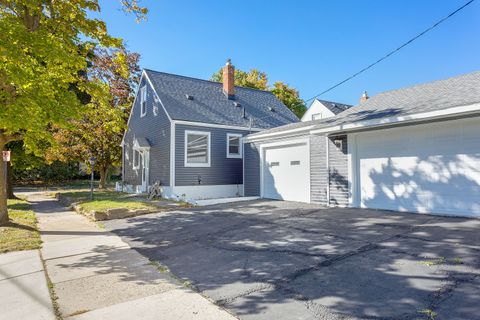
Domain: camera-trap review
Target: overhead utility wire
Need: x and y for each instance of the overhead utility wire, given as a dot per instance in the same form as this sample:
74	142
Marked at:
392	52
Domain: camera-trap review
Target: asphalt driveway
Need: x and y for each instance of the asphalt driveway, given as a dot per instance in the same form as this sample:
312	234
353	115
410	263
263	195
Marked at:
281	260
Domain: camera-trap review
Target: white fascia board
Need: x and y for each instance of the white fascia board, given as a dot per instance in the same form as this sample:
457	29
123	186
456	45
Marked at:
284	143
213	125
156	94
445	113
265	136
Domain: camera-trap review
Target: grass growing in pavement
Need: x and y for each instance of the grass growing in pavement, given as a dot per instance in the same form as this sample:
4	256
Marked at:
104	200
21	233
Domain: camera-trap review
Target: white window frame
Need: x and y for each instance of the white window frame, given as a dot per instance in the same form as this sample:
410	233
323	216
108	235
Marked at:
317	116
143	99
209	148
136	163
240	146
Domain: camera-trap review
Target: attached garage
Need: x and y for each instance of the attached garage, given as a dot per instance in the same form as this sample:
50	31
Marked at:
424	168
285	171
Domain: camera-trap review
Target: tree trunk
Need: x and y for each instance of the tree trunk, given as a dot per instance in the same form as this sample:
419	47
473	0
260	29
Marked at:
3	192
10	194
103	177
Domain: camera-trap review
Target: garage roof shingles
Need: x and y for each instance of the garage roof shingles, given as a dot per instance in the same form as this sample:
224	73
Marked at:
437	95
210	105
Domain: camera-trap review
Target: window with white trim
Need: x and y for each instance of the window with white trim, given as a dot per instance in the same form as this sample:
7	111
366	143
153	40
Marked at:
317	116
197	149
136	159
143	101
234	145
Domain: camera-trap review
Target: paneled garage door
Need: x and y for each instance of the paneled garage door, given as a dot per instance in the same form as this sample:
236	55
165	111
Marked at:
431	168
286	173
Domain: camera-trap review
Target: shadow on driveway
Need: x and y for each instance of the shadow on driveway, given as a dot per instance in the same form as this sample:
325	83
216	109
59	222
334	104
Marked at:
283	260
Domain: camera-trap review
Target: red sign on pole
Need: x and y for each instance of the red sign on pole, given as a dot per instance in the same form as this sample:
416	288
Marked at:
6	156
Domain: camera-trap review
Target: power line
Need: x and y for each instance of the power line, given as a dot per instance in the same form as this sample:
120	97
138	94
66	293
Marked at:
391	52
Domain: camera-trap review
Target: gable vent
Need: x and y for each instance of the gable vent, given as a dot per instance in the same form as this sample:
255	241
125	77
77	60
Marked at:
189	97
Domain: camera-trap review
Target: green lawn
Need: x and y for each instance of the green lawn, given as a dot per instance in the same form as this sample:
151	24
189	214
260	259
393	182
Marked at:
21	233
104	200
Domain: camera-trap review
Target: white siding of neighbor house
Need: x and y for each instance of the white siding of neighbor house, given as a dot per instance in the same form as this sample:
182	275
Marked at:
317	108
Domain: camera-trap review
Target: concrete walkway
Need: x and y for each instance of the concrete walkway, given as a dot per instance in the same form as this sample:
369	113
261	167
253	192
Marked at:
23	287
98	276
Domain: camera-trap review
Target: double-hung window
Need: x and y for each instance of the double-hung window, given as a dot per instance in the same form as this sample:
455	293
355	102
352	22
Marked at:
234	145
143	101
197	149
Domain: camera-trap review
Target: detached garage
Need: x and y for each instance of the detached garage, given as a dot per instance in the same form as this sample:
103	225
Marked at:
415	149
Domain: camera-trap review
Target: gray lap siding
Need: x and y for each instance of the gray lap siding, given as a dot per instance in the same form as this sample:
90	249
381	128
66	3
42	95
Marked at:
222	170
155	127
318	170
338	171
251	184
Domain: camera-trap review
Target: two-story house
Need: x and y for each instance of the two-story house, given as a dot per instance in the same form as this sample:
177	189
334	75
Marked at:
186	133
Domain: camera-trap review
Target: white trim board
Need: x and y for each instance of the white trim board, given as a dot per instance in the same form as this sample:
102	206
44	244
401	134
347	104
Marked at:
202	192
213	125
172	154
437	114
265	136
155	91
209	202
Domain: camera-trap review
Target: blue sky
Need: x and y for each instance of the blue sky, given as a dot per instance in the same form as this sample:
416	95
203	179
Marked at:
310	45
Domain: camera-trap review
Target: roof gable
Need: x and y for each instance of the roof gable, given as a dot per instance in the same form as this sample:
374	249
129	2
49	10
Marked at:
208	104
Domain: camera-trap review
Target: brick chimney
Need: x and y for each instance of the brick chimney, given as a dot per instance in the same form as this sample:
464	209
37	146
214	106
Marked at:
228	80
364	97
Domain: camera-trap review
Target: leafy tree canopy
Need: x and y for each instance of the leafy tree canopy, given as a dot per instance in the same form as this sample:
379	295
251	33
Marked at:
256	79
100	130
44	49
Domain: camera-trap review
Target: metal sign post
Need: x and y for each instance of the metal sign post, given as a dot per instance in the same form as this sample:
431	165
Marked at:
6	160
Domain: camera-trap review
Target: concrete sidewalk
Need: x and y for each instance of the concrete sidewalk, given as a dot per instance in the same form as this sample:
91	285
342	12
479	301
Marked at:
98	276
23	287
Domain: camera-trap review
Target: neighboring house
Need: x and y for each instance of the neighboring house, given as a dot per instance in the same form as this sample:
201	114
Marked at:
186	134
321	109
414	149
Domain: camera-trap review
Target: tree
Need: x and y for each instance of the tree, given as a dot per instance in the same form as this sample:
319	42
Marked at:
290	97
45	45
99	132
256	79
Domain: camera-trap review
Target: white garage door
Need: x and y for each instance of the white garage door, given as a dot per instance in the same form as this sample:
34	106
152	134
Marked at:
431	168
286	173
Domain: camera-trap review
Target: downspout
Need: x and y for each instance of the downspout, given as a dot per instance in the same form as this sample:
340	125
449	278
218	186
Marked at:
327	164
123	163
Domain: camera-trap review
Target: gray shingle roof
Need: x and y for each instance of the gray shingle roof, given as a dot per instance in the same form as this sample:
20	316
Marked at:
431	96
210	105
335	107
142	142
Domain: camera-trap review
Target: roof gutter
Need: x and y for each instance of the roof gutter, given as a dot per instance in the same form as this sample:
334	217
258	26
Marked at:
265	136
437	114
